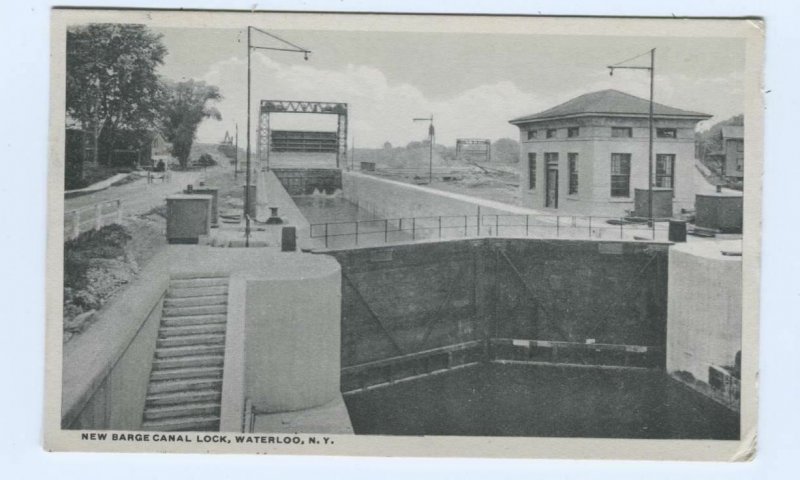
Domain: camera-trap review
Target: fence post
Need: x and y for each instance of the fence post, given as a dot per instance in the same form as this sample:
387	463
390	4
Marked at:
440	226
76	223
119	211
385	231
98	216
465	226
590	226
558	221
356	233
497	225
620	229
326	235
413	228
527	223
479	221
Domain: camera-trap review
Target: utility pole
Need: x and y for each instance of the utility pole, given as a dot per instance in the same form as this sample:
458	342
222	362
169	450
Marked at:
651	68
250	47
431	136
236	155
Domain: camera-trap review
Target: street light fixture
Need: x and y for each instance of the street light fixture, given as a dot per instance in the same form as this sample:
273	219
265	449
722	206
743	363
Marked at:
250	47
431	136
651	69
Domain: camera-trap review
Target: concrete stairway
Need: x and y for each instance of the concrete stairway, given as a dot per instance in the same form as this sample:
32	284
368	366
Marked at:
185	387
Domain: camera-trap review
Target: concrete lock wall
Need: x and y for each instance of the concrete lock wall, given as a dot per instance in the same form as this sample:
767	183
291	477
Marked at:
410	298
292	333
394	200
705	307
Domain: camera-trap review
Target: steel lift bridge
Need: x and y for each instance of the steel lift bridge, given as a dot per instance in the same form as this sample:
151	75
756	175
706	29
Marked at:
302	141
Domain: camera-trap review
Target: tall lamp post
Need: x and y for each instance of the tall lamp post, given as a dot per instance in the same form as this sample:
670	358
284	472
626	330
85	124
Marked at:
651	69
431	136
290	47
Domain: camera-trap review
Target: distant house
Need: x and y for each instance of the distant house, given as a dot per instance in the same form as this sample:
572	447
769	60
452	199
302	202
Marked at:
589	154
731	156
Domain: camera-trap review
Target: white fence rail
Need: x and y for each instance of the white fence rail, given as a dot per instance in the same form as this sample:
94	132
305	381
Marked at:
92	217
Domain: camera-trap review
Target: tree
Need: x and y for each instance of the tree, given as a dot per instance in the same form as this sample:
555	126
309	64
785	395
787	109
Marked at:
505	150
112	83
187	106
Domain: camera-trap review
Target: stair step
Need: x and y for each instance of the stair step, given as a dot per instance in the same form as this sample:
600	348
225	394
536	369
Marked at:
189	340
183	385
192	361
184	373
199	310
196	301
200	329
198	282
182	292
195	423
189	350
182	410
180	398
186	320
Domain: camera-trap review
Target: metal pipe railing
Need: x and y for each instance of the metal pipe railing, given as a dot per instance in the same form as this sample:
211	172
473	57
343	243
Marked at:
516	225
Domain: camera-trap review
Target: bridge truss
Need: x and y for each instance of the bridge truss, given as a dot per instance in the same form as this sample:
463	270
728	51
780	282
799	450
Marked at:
295	106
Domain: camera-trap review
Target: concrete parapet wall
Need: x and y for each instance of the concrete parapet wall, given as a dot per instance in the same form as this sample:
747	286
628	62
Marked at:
292	332
705	307
103	382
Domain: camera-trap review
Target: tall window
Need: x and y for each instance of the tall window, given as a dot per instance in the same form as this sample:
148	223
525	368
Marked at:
532	134
621	132
572	164
666	133
665	170
620	174
573	131
551	133
531	171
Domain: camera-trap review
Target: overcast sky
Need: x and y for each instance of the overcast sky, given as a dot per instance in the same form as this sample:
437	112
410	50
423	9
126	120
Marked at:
472	83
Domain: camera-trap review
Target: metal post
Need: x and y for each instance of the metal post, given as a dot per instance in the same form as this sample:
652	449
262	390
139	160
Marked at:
620	228
558	218
527	223
326	235
247	160
385	231
76	223
465	226
413	228
356	233
236	156
590	226
650	146
119	211
497	225
479	221
440	226
98	216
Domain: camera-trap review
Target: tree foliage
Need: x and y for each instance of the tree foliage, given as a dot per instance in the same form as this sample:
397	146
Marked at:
112	84
505	150
187	105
